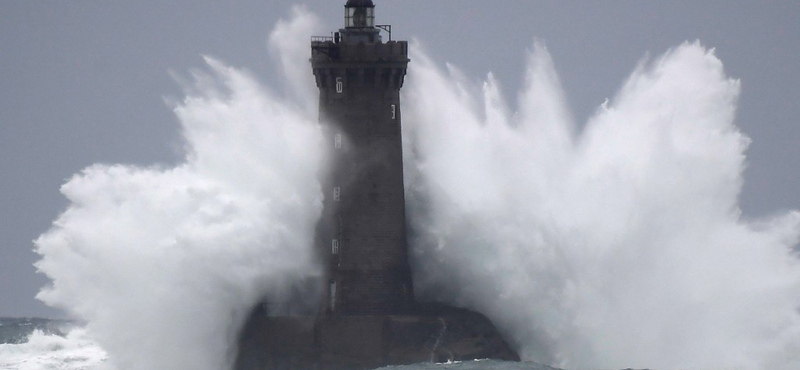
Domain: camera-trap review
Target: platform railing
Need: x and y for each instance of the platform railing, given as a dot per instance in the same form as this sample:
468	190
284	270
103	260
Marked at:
321	38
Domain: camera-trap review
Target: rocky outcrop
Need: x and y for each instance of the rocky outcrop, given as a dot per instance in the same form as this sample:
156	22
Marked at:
433	334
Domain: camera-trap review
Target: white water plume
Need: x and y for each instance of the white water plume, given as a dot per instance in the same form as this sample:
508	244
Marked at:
164	263
45	351
620	246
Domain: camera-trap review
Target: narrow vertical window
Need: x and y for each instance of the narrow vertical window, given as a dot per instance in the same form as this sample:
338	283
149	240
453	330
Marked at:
337	193
339	85
335	246
394	111
337	141
333	295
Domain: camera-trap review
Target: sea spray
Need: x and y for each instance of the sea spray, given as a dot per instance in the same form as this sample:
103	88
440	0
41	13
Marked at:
164	263
620	246
49	351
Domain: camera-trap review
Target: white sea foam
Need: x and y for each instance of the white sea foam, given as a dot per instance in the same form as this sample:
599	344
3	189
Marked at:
52	352
619	245
165	263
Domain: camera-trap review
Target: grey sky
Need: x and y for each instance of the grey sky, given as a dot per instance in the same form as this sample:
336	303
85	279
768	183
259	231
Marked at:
83	82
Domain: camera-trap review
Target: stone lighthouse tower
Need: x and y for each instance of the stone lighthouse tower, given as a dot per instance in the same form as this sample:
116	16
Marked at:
362	234
367	316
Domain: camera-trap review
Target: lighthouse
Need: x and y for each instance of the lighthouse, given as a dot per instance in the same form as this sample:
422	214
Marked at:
367	316
362	234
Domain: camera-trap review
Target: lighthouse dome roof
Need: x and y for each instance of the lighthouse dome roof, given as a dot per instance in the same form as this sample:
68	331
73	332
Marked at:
359	3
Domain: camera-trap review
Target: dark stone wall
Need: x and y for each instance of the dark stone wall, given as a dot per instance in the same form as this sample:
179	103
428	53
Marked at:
362	234
360	342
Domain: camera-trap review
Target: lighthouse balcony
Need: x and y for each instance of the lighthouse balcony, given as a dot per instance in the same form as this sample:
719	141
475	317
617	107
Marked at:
326	49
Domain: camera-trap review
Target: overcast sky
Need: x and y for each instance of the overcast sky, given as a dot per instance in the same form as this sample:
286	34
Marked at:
83	82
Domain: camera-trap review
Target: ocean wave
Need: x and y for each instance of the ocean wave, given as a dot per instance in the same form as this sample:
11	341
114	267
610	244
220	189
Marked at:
46	351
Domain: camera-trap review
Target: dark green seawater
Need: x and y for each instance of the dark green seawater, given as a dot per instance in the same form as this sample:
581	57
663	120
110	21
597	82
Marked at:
17	330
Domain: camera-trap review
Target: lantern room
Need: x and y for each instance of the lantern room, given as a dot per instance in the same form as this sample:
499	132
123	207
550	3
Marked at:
359	14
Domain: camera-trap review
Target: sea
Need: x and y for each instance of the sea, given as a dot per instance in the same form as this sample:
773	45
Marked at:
47	344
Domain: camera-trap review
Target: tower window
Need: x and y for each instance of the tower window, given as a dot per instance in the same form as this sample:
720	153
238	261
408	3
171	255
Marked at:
394	111
333	295
337	194
339	85
335	246
337	141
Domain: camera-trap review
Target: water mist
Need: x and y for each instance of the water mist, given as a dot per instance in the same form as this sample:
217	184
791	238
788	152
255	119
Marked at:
164	263
619	245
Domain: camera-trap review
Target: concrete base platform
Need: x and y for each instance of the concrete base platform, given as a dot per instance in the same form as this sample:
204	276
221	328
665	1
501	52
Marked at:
434	334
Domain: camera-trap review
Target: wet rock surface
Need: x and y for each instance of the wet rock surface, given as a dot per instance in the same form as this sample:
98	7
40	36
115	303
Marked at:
434	333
